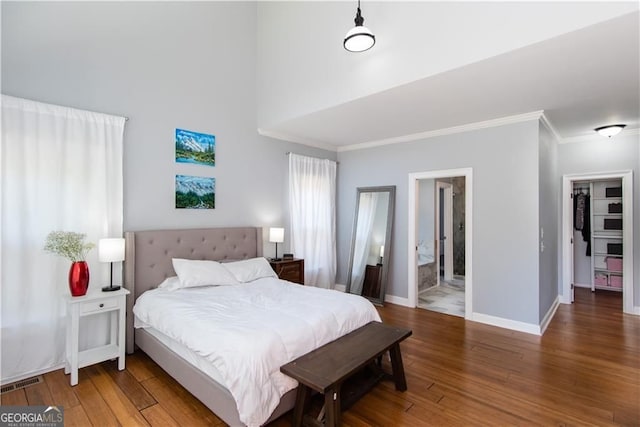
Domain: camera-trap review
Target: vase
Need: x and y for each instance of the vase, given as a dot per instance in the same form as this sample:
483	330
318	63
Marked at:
79	278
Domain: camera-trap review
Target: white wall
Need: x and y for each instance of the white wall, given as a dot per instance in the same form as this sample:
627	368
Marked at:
165	65
619	153
303	67
505	210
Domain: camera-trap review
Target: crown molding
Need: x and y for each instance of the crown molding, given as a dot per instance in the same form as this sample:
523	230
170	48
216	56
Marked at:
547	123
535	115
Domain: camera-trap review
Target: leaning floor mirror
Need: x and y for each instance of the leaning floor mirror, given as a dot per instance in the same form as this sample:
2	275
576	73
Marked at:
371	242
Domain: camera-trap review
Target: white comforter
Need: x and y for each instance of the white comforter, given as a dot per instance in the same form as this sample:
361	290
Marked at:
249	330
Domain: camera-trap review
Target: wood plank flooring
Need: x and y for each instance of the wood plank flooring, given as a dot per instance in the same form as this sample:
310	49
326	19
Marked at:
585	370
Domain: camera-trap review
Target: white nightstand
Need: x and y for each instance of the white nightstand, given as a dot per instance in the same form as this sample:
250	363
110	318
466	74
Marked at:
88	305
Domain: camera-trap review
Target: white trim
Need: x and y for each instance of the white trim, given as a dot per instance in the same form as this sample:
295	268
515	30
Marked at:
535	115
341	288
297	140
468	234
444	131
595	137
35	373
627	233
392	299
547	123
549	316
500	322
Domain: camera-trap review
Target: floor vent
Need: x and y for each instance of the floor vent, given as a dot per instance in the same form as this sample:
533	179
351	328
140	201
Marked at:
21	384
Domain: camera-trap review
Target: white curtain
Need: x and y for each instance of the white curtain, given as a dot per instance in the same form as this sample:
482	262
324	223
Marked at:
367	208
312	209
61	170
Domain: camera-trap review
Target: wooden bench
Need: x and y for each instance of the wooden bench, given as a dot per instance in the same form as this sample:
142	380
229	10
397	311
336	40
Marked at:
326	368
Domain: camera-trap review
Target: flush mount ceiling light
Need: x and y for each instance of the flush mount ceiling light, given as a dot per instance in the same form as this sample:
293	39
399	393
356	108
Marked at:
610	130
359	38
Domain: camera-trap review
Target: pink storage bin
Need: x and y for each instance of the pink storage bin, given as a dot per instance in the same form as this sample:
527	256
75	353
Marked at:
600	279
614	264
615	281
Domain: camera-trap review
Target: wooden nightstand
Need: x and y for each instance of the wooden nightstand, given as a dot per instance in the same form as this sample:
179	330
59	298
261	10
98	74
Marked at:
88	305
289	269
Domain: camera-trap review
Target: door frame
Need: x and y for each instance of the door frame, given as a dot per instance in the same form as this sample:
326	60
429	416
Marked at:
447	200
627	234
412	225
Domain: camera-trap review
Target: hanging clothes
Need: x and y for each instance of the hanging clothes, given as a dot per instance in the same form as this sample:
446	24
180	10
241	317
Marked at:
586	228
578	210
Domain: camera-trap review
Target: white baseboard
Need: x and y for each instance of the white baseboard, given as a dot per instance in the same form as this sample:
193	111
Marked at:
582	285
392	299
341	288
636	310
500	322
550	313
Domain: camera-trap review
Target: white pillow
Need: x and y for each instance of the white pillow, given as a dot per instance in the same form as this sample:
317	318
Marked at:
170	283
249	270
202	273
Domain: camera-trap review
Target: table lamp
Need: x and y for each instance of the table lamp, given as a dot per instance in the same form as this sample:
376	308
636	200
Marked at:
111	250
276	235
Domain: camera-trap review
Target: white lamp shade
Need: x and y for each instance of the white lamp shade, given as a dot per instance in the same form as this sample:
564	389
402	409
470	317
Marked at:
111	250
276	235
359	39
382	250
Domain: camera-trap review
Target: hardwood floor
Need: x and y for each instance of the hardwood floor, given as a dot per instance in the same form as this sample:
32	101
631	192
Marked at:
585	370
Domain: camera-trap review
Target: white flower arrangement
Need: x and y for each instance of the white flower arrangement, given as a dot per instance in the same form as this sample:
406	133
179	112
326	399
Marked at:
68	244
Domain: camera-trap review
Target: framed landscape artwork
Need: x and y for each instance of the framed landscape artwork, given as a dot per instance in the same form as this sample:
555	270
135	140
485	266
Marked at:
195	148
195	192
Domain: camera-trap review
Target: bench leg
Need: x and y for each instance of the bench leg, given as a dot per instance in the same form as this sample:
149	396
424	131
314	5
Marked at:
301	403
398	368
332	407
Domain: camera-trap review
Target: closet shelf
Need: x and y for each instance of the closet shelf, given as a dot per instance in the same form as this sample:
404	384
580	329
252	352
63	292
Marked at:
606	254
604	270
617	236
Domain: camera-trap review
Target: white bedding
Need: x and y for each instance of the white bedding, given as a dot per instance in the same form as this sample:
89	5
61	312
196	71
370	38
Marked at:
247	331
190	356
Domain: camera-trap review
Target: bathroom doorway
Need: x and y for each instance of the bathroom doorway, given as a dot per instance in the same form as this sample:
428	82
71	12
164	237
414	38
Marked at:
440	210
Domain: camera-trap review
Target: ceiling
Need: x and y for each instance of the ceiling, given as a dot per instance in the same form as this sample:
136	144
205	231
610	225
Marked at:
581	80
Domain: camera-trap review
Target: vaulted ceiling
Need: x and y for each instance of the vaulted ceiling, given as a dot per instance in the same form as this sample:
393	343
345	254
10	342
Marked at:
581	80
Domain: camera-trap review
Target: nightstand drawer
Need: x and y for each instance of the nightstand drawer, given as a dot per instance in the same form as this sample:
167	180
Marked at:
291	270
97	306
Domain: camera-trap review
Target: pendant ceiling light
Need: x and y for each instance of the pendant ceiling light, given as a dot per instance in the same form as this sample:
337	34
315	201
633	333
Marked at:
359	38
610	130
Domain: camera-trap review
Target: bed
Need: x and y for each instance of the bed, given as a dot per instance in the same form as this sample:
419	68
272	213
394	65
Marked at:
148	262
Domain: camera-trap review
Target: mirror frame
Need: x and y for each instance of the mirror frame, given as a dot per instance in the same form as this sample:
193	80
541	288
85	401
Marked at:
391	189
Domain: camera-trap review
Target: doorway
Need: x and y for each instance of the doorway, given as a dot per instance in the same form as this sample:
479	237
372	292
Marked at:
602	245
440	240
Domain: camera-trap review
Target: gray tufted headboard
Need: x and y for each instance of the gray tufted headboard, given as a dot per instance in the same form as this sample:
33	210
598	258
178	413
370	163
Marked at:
148	256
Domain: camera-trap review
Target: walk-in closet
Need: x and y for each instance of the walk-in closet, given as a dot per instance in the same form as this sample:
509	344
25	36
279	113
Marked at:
598	234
